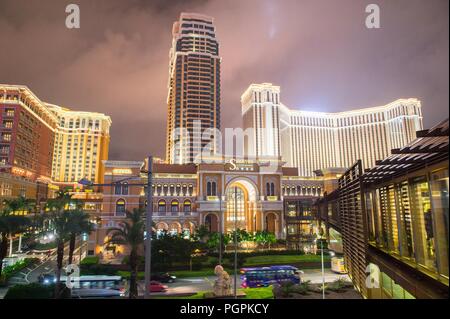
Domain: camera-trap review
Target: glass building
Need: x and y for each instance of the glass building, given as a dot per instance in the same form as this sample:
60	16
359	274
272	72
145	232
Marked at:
394	220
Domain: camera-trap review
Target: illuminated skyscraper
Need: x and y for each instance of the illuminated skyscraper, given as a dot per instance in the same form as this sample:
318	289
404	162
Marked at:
27	130
81	145
315	140
194	87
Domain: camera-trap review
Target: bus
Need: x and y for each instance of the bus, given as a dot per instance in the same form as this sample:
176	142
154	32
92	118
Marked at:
266	276
91	284
338	265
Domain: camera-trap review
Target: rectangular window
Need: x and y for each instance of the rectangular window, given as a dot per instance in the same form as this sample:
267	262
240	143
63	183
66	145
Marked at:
440	200
423	223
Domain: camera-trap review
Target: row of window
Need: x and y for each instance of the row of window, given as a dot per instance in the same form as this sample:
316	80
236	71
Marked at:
162	206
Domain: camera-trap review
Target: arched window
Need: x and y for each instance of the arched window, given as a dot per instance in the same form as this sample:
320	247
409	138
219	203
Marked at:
214	188
161	206
211	189
120	207
174	206
158	190
187	206
118	189
125	189
270	189
208	189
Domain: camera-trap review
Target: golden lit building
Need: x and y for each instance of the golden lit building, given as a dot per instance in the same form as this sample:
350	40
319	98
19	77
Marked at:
81	144
222	194
313	141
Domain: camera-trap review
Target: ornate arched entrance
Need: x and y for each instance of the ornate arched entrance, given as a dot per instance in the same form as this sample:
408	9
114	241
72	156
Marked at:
241	195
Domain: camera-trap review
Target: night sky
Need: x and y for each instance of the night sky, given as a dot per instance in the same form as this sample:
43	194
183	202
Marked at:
319	52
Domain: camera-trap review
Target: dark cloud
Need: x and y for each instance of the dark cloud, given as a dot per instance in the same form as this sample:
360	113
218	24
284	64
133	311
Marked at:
318	51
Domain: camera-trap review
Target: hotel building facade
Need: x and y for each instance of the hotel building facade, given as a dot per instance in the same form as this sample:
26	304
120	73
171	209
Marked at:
81	145
43	146
217	194
27	131
194	88
312	141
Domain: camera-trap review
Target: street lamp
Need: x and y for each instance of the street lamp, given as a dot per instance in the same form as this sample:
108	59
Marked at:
148	239
220	229
149	213
235	242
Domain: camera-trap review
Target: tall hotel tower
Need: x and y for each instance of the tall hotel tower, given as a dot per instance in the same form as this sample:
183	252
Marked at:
194	88
81	145
314	140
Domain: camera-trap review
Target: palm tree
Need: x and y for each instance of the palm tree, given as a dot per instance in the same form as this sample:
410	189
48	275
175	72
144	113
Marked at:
78	224
59	215
132	235
12	224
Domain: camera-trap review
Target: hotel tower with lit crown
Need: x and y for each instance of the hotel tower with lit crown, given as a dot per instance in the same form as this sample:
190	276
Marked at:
312	141
194	88
81	145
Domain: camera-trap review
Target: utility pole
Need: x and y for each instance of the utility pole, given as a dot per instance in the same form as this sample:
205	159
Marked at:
235	242
148	226
220	229
323	270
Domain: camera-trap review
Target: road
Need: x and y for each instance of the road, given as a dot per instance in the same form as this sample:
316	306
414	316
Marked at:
48	265
191	285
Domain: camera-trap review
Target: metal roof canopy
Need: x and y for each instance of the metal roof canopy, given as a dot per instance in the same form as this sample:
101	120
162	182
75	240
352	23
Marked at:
429	147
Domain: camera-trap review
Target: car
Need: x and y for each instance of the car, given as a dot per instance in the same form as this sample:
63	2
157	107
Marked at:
164	277
46	279
156	286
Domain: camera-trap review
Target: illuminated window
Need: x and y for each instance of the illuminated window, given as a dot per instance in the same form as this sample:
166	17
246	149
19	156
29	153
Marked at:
161	206
8	124
187	206
174	206
235	208
6	137
120	207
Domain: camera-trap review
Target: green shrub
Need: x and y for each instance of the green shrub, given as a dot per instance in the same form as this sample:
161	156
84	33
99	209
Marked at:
97	269
10	271
286	288
90	260
46	246
339	285
213	262
30	291
303	288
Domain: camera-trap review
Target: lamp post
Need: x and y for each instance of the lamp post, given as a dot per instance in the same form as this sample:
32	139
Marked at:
148	239
323	269
235	242
220	229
